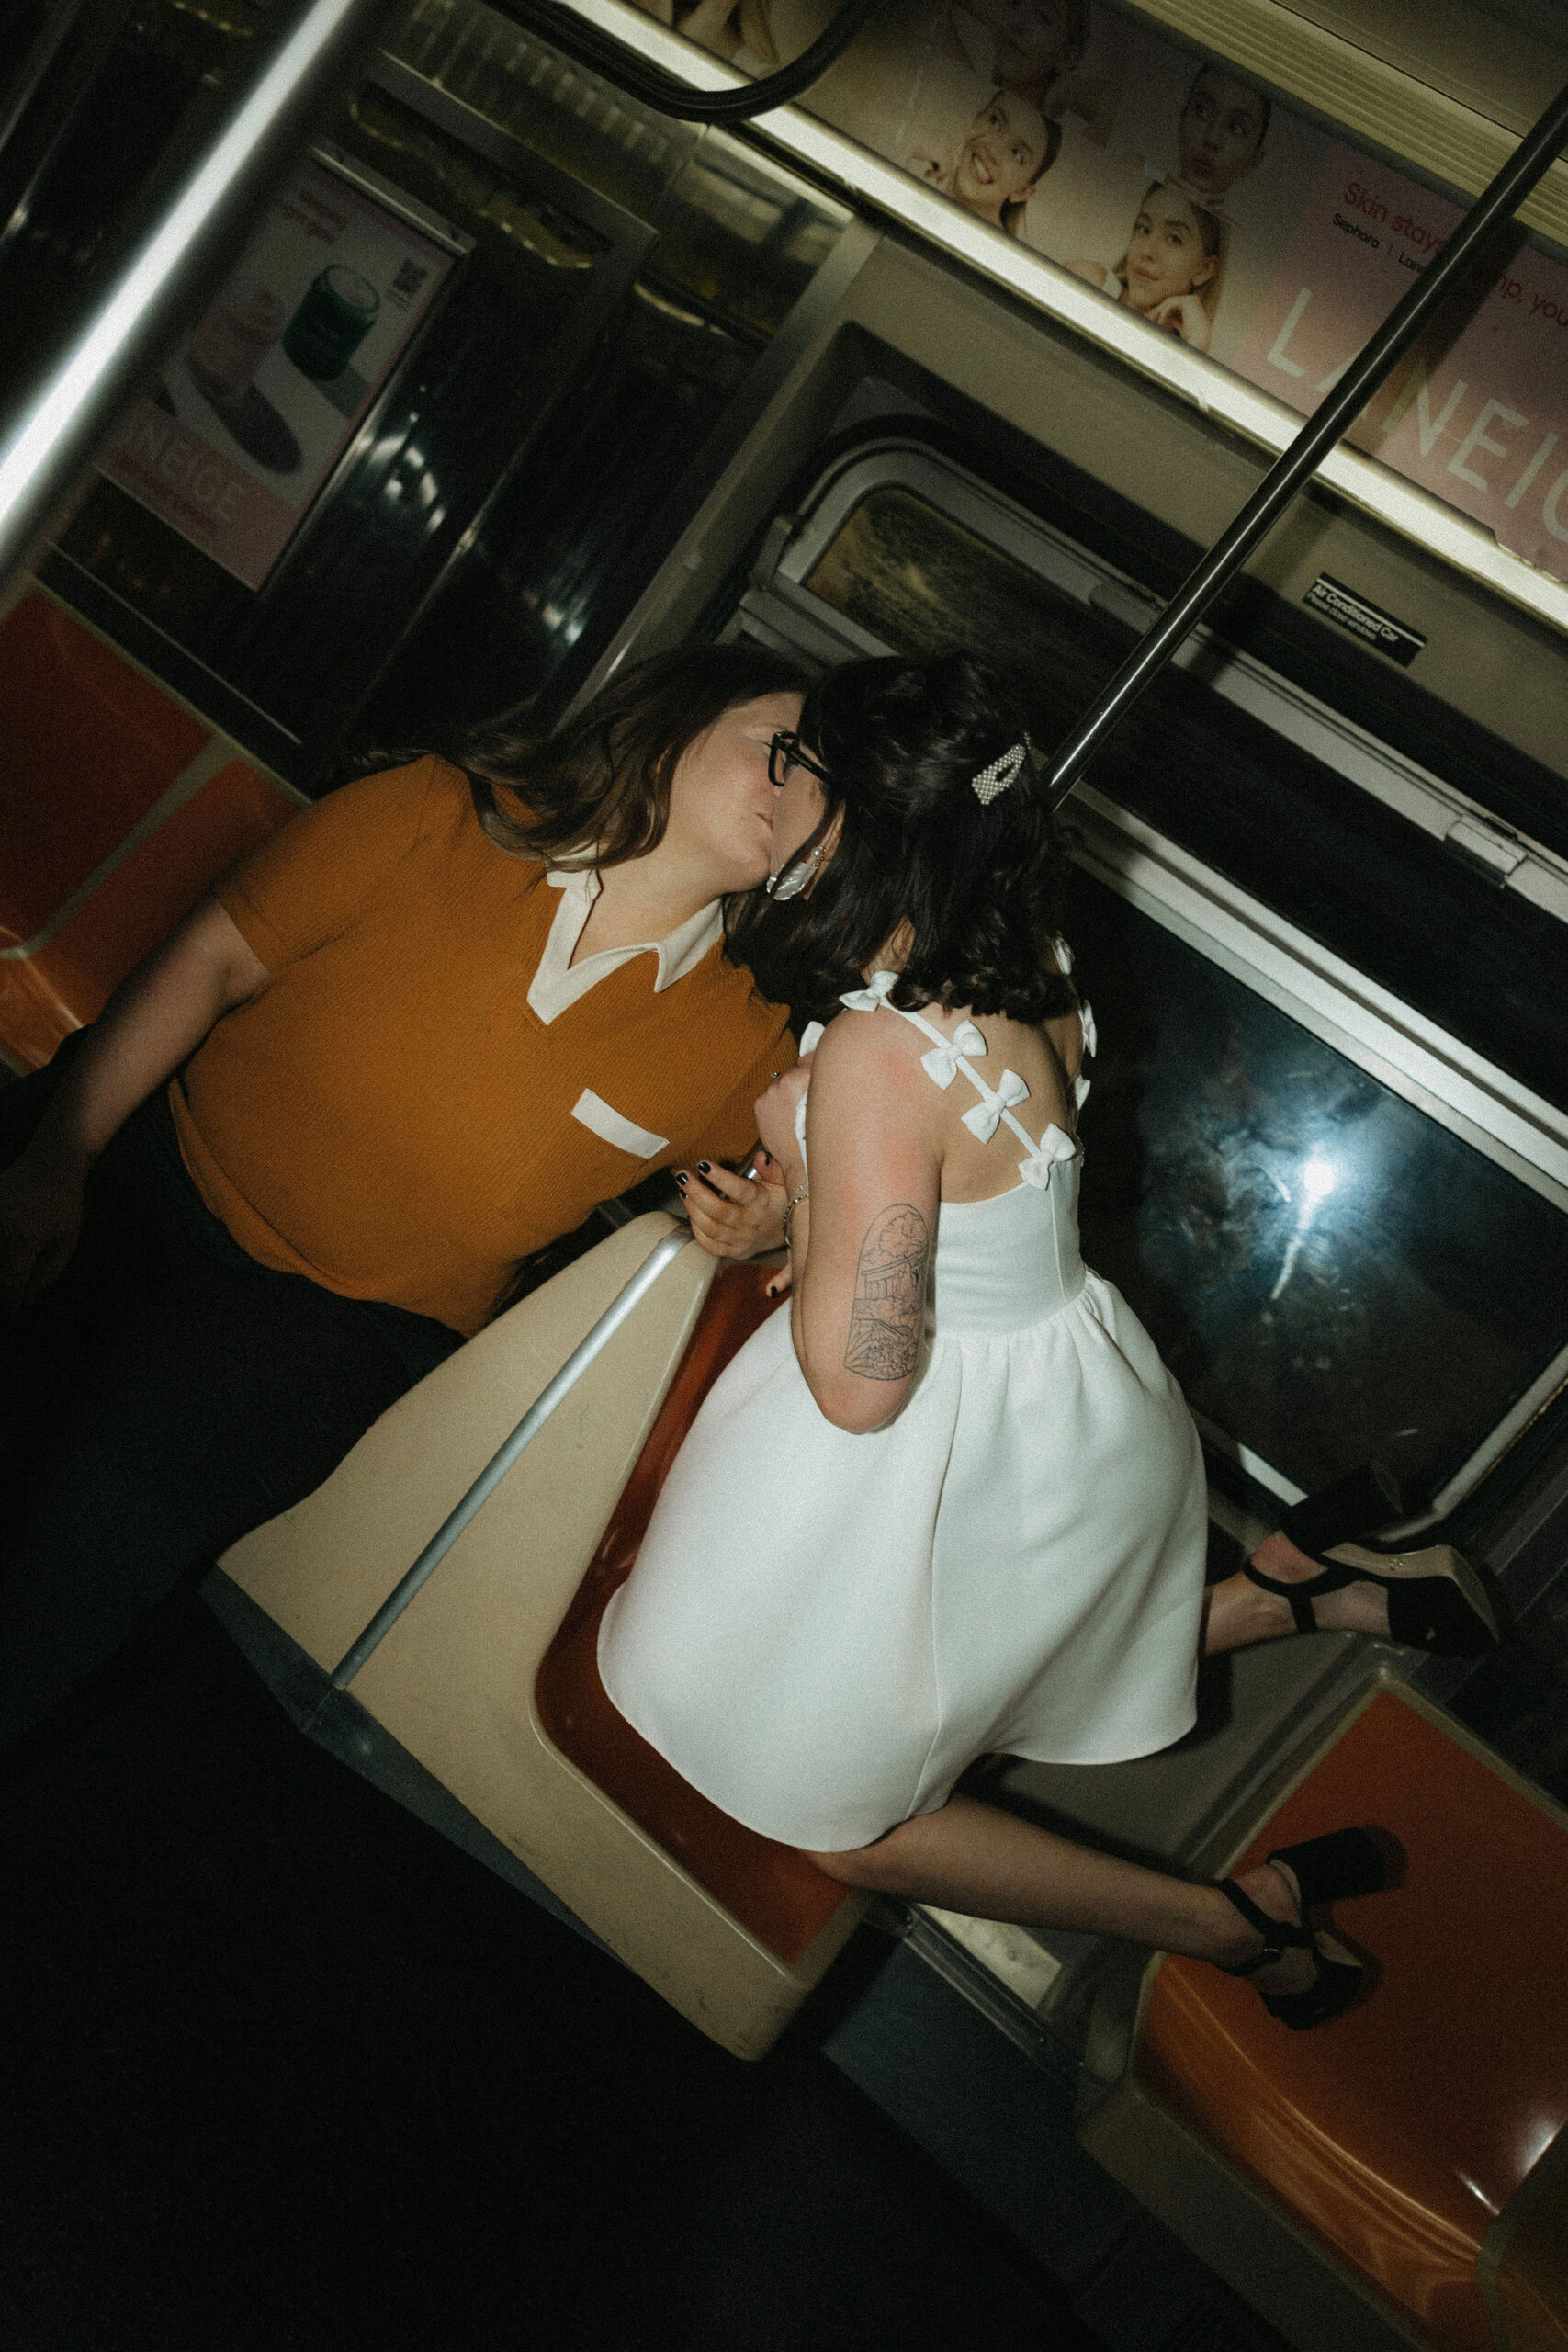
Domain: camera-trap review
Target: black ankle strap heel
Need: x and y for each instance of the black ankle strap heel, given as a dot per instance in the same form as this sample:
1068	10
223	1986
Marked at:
1358	1504
1279	1936
1336	1867
1363	1499
1344	1863
1448	1614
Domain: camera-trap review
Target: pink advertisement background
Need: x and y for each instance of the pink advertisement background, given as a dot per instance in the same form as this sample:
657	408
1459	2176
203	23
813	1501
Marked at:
177	454
1478	417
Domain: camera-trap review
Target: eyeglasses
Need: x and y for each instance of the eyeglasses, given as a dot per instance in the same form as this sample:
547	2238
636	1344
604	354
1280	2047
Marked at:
785	752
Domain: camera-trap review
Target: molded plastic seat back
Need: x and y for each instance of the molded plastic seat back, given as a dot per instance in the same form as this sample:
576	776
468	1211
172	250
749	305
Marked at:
454	1680
773	1889
122	808
1392	2138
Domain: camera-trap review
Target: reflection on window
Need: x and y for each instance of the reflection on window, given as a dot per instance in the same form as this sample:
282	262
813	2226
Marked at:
1328	1272
305	647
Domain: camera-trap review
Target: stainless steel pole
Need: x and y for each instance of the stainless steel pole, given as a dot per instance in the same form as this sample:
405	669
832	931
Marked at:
195	233
500	1461
1463	252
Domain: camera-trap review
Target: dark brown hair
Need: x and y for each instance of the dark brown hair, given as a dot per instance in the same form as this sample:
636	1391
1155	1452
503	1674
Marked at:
981	883
597	791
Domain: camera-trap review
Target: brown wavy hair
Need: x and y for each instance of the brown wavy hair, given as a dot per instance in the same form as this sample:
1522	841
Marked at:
596	792
981	885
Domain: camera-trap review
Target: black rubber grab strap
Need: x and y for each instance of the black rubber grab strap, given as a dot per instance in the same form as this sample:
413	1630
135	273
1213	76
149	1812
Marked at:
566	31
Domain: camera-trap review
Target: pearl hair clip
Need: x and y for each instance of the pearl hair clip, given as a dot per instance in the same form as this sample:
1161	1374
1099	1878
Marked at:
992	780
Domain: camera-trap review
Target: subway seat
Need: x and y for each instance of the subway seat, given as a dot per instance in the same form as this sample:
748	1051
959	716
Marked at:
121	809
771	1889
1410	2143
490	1679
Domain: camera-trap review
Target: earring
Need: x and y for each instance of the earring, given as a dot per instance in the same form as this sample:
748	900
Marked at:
791	880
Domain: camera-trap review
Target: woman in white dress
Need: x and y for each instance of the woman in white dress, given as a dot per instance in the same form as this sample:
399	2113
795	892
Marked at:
952	1503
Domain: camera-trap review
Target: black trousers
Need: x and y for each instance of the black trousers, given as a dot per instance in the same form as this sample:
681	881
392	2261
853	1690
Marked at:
168	1395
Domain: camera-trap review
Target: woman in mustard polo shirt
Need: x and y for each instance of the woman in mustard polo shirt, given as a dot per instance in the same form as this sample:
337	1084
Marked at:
300	1157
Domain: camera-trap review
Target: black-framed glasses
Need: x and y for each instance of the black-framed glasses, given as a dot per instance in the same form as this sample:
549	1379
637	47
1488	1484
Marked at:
786	751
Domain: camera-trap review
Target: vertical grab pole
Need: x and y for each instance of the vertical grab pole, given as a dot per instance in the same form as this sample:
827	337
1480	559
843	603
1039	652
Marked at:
178	257
1422	299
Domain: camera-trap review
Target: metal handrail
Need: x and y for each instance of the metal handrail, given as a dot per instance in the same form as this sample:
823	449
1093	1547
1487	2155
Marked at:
500	1461
1456	261
602	54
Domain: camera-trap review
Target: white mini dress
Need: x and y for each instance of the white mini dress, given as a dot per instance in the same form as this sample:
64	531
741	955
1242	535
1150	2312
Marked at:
823	1630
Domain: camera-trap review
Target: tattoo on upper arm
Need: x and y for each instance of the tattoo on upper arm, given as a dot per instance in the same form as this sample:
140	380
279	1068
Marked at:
887	1317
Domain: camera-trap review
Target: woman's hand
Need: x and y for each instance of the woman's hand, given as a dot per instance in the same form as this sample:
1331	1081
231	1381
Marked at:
41	1217
733	1216
775	1118
1183	314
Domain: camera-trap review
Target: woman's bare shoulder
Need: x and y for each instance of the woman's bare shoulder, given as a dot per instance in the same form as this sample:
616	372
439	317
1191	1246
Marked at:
873	1052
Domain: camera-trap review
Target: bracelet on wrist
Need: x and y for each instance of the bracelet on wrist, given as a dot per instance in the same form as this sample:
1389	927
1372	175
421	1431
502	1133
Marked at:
793	1202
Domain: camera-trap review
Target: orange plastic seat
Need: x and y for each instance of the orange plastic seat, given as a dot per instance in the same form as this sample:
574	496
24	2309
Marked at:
121	809
771	1889
1399	2133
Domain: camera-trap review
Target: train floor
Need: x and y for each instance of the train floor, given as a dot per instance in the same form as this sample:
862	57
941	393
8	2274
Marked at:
285	2073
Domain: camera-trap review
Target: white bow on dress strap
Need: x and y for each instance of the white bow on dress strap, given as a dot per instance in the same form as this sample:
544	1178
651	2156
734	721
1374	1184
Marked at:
941	1062
1086	1022
983	1120
867	1000
1052	1146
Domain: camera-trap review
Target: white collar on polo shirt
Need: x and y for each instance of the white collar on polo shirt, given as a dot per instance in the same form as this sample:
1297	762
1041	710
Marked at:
558	982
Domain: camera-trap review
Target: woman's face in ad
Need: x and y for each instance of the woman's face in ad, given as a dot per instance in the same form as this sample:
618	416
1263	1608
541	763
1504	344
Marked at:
1034	38
722	806
1164	251
1220	139
1003	155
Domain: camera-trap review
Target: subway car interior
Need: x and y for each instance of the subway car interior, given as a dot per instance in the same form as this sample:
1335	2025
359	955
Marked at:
373	1979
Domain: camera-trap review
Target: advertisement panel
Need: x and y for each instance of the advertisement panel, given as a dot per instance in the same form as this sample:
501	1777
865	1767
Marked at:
1478	413
1182	192
257	406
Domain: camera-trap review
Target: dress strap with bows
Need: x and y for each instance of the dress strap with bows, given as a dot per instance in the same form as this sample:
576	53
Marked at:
948	1055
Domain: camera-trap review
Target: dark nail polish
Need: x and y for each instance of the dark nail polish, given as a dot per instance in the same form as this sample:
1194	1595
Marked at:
704	1167
681	1183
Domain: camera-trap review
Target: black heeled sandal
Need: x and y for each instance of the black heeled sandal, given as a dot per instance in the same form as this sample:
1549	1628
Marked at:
1346	1862
1448	1612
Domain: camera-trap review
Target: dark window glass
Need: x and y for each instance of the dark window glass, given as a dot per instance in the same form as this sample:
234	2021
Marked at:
1482	962
307	647
1328	1272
